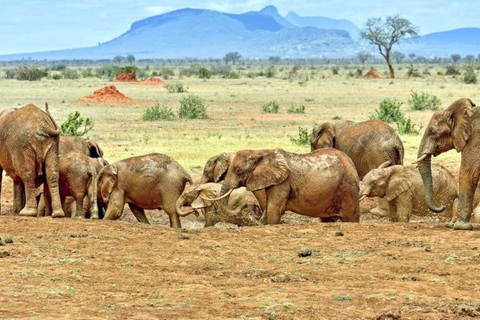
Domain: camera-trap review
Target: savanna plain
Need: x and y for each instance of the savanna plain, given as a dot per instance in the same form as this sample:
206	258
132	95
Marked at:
301	269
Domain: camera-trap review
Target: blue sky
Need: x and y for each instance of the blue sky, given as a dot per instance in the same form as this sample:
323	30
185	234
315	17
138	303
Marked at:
37	25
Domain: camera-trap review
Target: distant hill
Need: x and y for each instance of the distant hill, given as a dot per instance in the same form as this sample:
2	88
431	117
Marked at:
324	23
198	33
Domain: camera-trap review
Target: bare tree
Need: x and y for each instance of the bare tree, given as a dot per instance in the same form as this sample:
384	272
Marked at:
398	56
456	57
363	56
384	34
232	57
118	59
130	59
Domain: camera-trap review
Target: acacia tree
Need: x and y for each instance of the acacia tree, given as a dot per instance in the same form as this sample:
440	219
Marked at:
363	56
385	33
398	56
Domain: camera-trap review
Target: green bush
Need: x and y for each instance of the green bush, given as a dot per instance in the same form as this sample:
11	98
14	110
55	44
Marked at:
177	87
423	101
335	70
204	73
470	77
405	126
271	71
303	137
73	125
70	73
389	111
192	107
27	73
413	72
296	108
452	70
271	107
56	75
158	112
10	74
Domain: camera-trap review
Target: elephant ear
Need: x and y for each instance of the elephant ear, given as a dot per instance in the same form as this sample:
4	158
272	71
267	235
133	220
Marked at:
327	135
108	181
205	191
459	119
95	150
221	166
271	169
399	182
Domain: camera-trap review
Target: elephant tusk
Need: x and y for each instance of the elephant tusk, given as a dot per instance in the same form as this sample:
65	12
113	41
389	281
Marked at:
420	159
362	198
219	198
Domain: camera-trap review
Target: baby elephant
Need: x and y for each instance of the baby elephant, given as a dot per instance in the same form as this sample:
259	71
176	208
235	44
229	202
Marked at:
153	181
403	188
242	206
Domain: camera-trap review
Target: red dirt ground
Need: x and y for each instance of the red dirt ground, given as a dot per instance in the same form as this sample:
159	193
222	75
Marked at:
126	77
84	269
372	75
152	81
107	94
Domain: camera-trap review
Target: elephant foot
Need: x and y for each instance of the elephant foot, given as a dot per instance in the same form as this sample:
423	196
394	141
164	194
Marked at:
28	212
462	225
58	214
94	217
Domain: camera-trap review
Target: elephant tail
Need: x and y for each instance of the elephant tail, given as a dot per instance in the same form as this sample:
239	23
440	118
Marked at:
47	127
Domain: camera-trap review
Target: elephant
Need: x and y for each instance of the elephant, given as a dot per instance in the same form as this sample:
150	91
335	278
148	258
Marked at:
369	144
323	183
216	168
78	179
402	187
90	147
475	218
153	181
29	143
242	207
458	126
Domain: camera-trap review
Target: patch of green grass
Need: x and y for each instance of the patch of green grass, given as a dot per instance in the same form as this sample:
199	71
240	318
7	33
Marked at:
270	107
343	298
158	112
296	108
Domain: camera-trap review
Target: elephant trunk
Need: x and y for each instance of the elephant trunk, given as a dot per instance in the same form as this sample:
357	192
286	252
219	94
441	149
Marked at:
425	168
178	208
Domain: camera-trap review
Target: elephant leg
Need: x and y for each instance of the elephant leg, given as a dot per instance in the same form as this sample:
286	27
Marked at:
115	205
467	187
18	196
47	200
51	170
63	201
276	200
139	213
261	199
30	209
1	178
92	197
209	218
79	211
172	213
350	208
404	208
381	209
41	206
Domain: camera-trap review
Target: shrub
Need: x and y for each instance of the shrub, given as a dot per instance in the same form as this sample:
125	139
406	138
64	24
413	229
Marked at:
452	70
10	74
177	87
413	72
296	108
88	73
389	111
405	126
204	73
166	72
192	107
271	71
470	77
158	112
27	73
72	126
423	101
56	75
70	74
335	70
303	137
271	107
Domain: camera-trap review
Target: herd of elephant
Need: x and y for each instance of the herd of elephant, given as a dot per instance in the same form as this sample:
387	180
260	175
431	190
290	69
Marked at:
348	162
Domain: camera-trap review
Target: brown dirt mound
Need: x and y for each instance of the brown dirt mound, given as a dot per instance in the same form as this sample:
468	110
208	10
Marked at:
153	81
372	75
126	77
107	94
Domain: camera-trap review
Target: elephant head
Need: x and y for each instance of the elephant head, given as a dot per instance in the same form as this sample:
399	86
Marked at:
385	182
107	181
216	168
188	196
94	149
323	136
447	129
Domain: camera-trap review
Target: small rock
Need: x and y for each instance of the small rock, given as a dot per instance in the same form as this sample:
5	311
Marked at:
475	248
428	248
8	240
339	234
184	237
305	253
4	254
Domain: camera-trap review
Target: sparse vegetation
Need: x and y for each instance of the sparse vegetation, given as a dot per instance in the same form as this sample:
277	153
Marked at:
158	112
30	73
469	77
423	101
176	87
192	107
389	111
204	73
303	137
296	108
76	125
270	107
452	70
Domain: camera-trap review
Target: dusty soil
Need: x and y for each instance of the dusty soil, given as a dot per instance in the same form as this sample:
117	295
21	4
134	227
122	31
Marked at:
107	94
84	269
152	81
126	77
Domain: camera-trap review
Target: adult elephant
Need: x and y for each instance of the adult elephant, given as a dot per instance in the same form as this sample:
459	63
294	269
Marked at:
153	181
457	127
369	144
29	141
87	147
321	184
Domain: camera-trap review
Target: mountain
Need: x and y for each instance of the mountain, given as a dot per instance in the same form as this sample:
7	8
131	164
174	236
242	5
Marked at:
324	23
198	33
462	41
